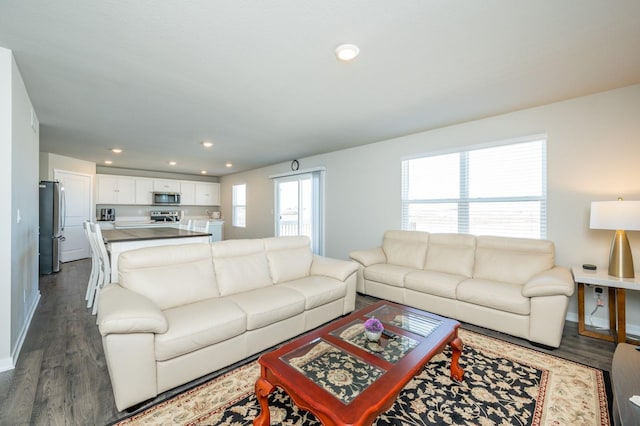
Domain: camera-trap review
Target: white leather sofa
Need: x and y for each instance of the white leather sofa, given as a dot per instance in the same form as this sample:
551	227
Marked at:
506	284
180	312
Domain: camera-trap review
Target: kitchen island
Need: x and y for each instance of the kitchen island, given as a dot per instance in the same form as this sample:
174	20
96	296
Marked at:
121	240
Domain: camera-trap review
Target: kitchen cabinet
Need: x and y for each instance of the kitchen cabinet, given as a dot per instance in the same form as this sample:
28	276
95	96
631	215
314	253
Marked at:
215	227
188	193
166	185
132	190
207	194
144	191
111	189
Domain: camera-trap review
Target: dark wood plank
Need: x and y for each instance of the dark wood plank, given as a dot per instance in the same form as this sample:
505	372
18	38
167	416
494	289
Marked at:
18	405
61	377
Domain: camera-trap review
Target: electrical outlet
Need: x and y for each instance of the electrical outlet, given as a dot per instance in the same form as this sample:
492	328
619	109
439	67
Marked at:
597	292
599	301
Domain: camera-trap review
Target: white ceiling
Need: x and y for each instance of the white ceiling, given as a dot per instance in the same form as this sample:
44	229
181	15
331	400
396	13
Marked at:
260	79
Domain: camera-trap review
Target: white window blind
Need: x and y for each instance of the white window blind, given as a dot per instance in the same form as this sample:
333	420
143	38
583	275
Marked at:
499	190
239	205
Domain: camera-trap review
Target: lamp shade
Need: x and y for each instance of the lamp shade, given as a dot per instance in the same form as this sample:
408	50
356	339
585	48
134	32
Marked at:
623	215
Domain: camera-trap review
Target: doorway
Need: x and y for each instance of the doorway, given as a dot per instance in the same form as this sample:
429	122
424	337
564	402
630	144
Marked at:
299	201
76	208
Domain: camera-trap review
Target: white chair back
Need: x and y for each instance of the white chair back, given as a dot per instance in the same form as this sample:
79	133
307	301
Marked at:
104	270
95	265
201	226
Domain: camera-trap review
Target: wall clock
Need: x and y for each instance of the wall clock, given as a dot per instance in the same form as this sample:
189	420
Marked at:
295	165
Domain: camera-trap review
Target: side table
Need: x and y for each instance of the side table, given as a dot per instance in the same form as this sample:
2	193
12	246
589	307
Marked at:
617	302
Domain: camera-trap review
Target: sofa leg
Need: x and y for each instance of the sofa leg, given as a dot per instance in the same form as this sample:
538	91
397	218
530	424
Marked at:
139	406
542	346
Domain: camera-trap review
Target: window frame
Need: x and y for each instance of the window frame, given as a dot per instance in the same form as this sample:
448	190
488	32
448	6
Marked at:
236	206
464	201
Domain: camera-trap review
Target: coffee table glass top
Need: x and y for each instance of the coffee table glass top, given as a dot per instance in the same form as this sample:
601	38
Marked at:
338	372
390	348
415	323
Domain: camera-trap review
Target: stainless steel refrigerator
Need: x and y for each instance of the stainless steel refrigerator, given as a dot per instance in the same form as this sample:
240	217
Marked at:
51	225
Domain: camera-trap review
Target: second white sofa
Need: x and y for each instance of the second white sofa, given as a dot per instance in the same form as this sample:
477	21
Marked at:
180	312
506	284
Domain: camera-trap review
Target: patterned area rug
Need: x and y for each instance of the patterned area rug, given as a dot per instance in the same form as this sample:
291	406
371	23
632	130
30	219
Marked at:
504	384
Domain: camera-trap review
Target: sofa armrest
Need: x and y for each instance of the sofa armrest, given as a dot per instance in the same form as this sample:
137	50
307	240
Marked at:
332	268
552	282
369	256
122	311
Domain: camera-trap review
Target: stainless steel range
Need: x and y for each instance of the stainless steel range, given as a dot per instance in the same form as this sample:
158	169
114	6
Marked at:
165	215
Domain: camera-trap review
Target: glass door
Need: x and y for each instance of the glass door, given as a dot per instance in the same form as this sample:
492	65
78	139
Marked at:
298	204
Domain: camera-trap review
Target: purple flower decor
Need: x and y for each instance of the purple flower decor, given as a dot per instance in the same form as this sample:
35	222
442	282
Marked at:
373	325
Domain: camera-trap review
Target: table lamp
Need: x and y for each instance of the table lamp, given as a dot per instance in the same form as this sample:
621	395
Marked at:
620	216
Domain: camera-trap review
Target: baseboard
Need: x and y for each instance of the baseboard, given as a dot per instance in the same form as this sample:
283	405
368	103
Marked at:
632	329
10	363
6	364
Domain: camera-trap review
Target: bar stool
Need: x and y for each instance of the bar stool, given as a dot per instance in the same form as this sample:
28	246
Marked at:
104	272
95	265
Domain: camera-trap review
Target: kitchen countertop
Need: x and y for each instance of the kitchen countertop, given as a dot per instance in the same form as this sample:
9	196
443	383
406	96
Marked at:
141	234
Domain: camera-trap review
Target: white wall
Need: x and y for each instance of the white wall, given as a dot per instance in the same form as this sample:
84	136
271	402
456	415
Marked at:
593	154
5	213
50	162
259	197
19	145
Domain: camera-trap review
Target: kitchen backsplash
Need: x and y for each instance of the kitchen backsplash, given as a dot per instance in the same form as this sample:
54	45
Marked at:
123	211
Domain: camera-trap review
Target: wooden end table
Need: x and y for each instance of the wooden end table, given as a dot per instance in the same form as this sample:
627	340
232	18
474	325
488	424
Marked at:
617	302
342	379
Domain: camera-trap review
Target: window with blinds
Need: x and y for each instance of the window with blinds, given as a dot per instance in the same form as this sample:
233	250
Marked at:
239	205
498	190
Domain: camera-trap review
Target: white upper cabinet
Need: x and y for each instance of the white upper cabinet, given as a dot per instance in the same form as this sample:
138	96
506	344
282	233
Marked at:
207	194
166	185
111	189
188	193
144	191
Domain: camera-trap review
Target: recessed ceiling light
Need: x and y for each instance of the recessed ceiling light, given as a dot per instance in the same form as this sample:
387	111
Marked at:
172	163
204	172
228	165
116	150
346	52
108	161
207	144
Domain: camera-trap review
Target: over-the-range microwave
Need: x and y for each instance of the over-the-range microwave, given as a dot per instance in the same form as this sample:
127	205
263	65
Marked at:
166	198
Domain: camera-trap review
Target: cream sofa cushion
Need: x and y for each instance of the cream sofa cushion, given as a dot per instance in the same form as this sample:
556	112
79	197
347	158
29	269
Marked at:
240	265
498	295
406	248
434	283
198	325
169	275
289	257
318	290
265	306
451	253
387	274
512	260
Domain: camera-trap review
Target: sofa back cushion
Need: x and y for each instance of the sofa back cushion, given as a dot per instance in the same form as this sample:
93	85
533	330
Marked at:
406	248
240	265
451	253
289	257
170	275
512	260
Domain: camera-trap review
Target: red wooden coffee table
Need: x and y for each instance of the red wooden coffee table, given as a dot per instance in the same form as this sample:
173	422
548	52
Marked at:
341	378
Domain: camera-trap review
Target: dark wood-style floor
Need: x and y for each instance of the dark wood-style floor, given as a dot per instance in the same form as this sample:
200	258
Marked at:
61	377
